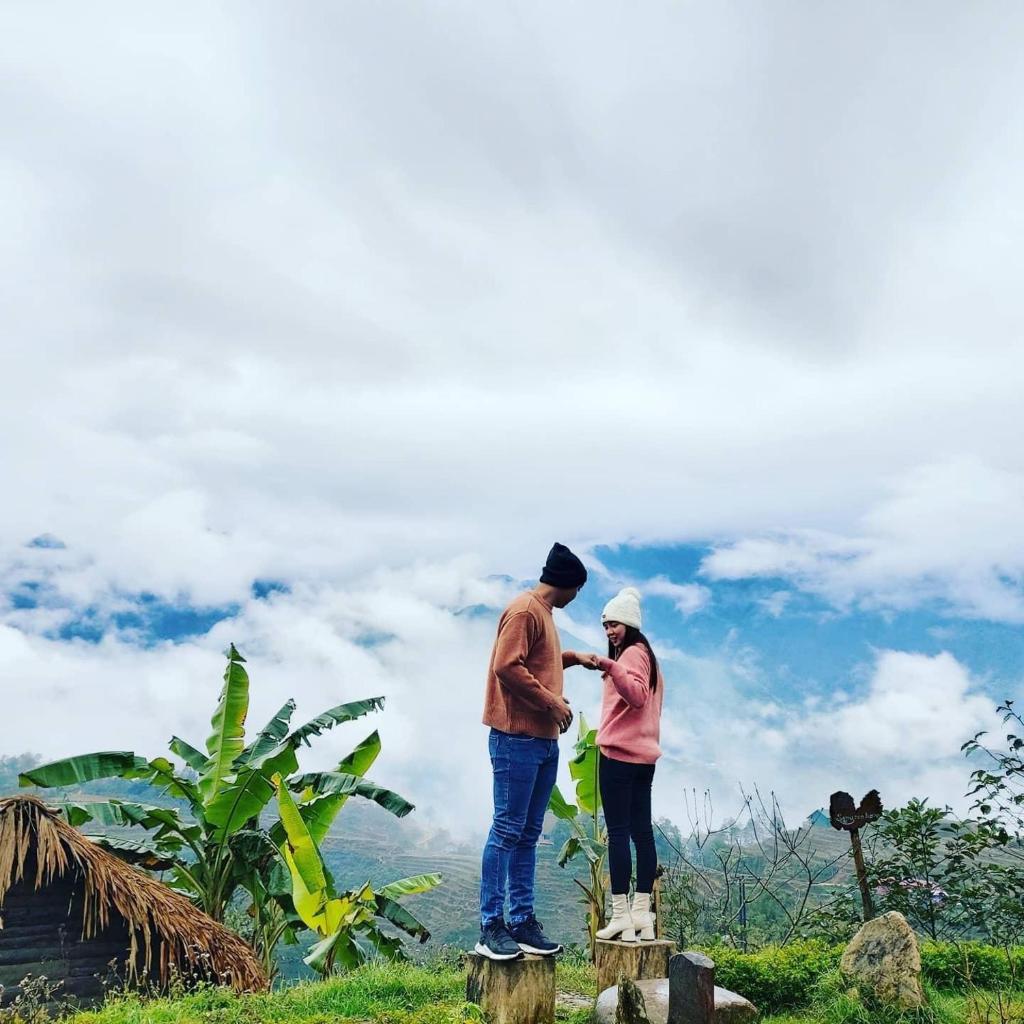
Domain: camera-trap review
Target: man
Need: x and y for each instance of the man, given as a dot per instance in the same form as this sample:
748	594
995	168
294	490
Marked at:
526	711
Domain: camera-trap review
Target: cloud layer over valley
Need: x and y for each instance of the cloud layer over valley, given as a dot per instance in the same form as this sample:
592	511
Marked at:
322	324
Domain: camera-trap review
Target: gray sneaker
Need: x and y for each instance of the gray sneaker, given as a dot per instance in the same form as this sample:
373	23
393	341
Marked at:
531	938
496	943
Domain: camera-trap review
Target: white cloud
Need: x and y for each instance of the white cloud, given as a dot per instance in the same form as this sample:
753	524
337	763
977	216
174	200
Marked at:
345	297
917	710
306	306
401	634
428	661
776	602
950	532
687	597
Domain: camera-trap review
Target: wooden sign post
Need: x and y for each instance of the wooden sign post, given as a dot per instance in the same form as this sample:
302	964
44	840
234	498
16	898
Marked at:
847	817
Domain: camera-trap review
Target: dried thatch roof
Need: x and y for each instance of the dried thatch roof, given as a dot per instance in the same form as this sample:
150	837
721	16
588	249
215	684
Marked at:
167	932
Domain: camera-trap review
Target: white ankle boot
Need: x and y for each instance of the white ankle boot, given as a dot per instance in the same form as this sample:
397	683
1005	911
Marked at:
643	919
621	924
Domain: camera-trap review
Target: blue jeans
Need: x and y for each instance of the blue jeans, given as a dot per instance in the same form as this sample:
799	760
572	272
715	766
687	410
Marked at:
524	770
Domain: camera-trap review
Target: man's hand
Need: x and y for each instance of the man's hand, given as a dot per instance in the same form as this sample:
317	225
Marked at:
588	661
562	714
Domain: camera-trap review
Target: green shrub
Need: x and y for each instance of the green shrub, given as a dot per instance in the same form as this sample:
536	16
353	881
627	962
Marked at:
777	977
833	1002
971	964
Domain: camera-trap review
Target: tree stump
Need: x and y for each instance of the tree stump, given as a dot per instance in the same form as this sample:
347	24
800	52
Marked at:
636	960
512	991
691	989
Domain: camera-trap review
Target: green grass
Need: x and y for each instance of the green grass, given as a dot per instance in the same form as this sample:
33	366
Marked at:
833	1004
434	993
382	993
385	993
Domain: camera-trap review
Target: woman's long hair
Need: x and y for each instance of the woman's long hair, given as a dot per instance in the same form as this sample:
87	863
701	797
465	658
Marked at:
634	636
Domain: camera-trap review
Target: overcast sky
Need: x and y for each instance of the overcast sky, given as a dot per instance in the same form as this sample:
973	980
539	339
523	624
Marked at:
374	302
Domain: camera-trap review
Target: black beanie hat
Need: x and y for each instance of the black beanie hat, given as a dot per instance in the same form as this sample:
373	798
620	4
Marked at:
563	568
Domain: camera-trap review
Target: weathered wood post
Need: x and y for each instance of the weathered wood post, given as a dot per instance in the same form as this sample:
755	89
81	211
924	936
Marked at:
512	991
845	816
635	960
691	989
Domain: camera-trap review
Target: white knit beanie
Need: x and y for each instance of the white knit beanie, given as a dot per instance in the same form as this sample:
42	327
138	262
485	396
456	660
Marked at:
624	607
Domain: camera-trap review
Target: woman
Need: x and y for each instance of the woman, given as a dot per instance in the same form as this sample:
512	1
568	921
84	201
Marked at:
628	741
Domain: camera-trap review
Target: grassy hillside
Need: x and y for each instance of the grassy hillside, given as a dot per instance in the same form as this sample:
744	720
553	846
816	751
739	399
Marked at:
435	994
379	992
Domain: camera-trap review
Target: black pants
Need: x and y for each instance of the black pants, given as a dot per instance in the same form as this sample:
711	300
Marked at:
626	798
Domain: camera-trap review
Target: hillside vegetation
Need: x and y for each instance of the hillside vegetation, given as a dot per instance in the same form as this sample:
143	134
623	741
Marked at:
394	993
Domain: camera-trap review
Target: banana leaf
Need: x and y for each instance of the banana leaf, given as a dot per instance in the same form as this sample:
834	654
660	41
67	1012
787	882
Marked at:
253	847
349	912
593	849
238	801
227	738
271	735
280	760
339	947
335	716
150	856
162	775
124	813
341	784
319	812
73	771
195	759
361	759
560	807
583	769
410	886
379	944
401	918
570	848
309	884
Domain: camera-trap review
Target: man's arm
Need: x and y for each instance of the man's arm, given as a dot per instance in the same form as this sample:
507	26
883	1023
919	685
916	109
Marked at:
570	659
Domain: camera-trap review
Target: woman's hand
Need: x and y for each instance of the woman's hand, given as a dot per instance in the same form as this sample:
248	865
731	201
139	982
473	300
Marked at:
588	660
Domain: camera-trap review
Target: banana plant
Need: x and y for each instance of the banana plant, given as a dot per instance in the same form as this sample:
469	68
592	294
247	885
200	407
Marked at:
345	923
214	844
588	837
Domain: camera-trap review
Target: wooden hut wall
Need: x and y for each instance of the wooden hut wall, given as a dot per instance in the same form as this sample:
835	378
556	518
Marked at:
42	936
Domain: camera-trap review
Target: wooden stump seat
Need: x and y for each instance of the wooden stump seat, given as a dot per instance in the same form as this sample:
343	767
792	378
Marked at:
637	961
512	991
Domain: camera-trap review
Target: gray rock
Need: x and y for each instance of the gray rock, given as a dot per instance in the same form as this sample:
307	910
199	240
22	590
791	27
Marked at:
631	1007
883	960
730	1008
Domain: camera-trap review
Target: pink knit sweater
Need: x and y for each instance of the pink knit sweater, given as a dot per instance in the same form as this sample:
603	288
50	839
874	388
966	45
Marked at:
630	713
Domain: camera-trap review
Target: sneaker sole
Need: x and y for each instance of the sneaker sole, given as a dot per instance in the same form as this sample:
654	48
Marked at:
491	955
540	952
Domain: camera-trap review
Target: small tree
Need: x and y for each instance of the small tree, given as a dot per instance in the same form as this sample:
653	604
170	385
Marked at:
345	923
754	879
588	837
217	847
998	791
957	878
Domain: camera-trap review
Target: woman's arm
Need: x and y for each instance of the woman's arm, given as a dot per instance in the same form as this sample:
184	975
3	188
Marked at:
630	675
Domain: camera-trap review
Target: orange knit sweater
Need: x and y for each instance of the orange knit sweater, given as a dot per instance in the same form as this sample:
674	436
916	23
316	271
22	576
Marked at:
525	674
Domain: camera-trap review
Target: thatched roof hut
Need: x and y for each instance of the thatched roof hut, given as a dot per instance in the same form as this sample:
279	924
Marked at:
70	909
